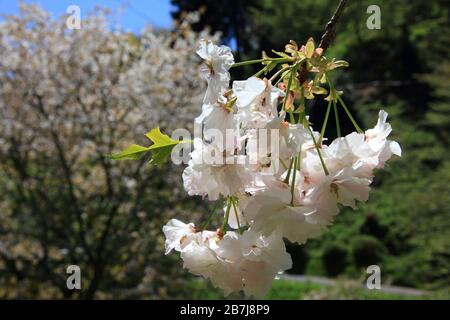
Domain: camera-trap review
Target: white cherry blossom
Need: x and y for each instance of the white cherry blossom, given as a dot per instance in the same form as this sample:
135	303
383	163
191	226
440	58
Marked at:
285	185
256	101
377	140
218	60
212	173
342	187
178	235
256	259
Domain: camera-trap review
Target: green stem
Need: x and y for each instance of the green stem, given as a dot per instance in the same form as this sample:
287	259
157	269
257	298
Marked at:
260	72
276	74
278	81
224	226
248	62
286	180
244	63
299	160
325	122
358	129
283	164
288	88
336	116
293	181
236	215
301	117
318	150
216	205
291	116
302	101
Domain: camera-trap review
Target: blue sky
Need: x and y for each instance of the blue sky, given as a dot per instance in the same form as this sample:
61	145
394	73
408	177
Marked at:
134	16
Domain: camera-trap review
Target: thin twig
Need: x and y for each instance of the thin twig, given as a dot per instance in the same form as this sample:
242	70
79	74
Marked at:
330	29
327	37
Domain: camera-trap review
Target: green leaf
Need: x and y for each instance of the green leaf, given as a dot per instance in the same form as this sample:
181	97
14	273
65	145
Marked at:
295	85
159	139
318	90
162	145
161	148
265	57
291	48
270	66
336	64
309	48
284	75
281	54
159	156
333	95
134	152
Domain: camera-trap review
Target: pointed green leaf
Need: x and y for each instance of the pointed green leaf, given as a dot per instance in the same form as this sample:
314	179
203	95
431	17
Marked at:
265	57
333	95
158	138
337	64
341	63
281	54
161	148
159	156
309	48
270	66
134	152
162	145
318	90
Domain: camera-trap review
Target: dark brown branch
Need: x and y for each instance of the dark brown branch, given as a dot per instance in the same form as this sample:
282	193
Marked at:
330	29
327	37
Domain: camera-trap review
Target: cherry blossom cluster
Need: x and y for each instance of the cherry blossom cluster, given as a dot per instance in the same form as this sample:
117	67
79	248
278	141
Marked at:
297	184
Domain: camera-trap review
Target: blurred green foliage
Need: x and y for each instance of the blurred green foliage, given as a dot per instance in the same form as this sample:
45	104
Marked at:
281	290
284	289
335	259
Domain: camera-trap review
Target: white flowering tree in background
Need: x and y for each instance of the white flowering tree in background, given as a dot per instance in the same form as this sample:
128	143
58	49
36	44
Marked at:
68	99
264	202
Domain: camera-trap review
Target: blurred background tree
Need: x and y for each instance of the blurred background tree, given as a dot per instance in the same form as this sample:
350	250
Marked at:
67	100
